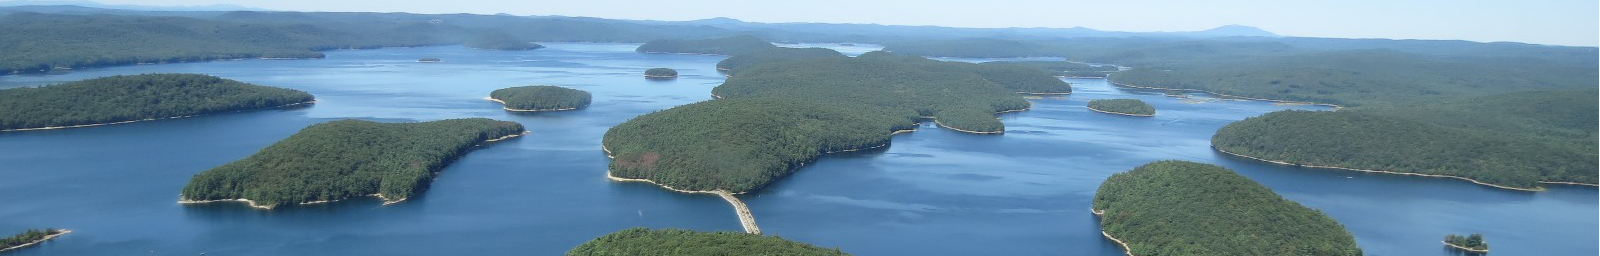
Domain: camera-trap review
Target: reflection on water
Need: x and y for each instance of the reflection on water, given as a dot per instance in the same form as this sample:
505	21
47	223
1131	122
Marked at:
933	192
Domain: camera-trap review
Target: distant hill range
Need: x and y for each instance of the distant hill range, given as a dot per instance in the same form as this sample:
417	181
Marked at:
45	6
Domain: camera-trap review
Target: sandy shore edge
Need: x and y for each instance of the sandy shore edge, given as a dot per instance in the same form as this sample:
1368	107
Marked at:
1335	107
1384	172
41	240
151	119
503	106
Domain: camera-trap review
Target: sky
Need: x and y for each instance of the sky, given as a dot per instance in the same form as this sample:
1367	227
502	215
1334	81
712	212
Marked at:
1557	22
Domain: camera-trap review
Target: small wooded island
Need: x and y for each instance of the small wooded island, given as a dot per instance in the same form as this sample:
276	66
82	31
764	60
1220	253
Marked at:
429	60
723	46
661	73
1187	208
1127	107
125	99
500	41
1470	243
538	98
347	158
30	237
678	242
815	105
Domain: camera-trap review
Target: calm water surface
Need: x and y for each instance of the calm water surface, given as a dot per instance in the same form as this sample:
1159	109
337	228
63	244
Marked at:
933	192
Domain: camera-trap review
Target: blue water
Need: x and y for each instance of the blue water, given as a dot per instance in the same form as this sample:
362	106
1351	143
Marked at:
933	192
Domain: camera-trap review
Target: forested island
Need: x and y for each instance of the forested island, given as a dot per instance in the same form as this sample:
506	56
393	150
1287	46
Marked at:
429	60
540	98
1127	107
775	116
723	46
131	98
1471	243
30	237
674	242
661	73
1360	141
500	41
1187	208
347	158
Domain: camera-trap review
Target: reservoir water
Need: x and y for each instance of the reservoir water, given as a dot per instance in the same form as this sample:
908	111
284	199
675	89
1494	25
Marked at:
932	192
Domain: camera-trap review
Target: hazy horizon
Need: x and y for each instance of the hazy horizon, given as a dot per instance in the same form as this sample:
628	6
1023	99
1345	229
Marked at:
1558	22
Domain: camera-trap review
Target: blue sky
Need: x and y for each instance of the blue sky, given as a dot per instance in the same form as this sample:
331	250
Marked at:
1560	22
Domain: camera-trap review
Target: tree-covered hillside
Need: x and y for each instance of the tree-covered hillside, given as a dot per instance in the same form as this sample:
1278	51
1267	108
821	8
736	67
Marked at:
137	97
778	114
347	158
678	242
500	41
1187	208
725	46
541	98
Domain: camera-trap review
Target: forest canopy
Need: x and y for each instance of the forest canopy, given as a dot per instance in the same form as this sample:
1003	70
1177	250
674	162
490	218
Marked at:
500	41
775	116
541	98
347	158
678	242
1132	107
135	97
1187	208
724	46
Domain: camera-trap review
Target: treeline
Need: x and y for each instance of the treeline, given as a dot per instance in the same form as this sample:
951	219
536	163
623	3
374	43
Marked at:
500	41
1123	106
661	73
136	97
735	63
1359	140
347	158
673	242
725	46
1187	208
780	113
1474	241
29	236
541	97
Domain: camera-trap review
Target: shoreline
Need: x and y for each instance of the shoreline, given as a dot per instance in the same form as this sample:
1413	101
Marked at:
746	219
151	119
503	106
386	200
1117	113
1447	243
1536	189
41	240
1335	106
1125	249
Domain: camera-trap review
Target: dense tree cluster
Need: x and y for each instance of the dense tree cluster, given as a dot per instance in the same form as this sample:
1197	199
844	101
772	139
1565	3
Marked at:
661	73
1359	140
1123	106
541	97
678	242
500	41
735	63
725	46
776	115
1187	208
136	97
347	158
1474	241
29	236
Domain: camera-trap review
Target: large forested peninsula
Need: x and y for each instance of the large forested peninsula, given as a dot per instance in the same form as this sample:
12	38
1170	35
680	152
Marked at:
117	99
500	41
1383	143
540	98
1187	208
779	114
1131	107
678	242
29	237
725	46
343	159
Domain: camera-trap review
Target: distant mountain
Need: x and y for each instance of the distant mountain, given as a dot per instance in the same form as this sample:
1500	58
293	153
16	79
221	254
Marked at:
1232	30
92	4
